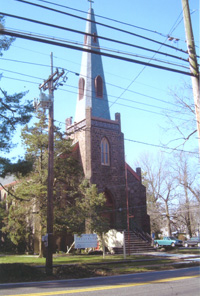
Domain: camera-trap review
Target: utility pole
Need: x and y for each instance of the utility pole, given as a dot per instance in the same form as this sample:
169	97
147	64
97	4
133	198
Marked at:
47	102
49	254
193	63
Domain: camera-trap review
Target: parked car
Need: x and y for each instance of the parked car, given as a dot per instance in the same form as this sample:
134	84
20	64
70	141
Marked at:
194	241
168	241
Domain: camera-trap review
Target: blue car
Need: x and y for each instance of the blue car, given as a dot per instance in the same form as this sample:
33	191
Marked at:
168	241
192	242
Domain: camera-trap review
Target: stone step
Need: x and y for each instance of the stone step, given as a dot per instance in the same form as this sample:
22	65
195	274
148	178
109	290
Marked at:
137	244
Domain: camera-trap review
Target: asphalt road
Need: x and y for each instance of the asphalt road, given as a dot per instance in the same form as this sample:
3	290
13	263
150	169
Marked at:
172	282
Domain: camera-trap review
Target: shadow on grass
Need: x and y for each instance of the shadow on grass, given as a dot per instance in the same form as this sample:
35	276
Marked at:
19	272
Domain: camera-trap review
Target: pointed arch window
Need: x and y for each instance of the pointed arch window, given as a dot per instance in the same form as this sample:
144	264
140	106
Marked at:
105	152
99	86
81	86
95	37
85	39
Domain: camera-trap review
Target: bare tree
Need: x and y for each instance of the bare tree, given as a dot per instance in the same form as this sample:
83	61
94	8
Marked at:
186	174
161	191
182	120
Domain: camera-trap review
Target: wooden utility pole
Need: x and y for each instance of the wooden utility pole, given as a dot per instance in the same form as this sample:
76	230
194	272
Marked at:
193	63
49	254
48	103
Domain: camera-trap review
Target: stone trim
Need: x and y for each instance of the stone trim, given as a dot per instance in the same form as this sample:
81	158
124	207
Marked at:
105	124
76	126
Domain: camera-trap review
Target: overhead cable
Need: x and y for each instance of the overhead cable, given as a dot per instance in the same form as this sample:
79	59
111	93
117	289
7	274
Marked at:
57	43
106	18
73	72
100	37
124	105
159	146
104	25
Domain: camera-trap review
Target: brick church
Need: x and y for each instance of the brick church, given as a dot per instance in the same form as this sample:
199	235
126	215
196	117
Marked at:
100	142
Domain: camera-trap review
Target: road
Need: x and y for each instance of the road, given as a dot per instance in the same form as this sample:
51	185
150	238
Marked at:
172	282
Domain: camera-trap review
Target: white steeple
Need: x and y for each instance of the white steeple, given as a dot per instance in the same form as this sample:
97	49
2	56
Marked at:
92	89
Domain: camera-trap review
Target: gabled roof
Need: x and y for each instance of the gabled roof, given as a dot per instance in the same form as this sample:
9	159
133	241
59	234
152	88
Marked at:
132	172
8	185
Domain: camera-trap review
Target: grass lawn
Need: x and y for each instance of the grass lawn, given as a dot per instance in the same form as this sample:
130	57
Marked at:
66	259
70	259
193	251
18	268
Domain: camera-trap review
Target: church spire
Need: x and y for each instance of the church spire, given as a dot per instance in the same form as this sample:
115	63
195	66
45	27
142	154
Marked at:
90	3
91	89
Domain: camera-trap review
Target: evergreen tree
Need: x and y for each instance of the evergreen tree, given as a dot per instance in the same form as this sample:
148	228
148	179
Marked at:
13	112
85	211
75	202
28	200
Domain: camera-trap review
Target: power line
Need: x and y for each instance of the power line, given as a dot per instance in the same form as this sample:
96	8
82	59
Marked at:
57	43
100	37
159	146
140	94
106	18
132	107
101	24
121	22
119	52
142	69
107	83
147	144
24	62
120	104
153	112
109	95
141	103
20	80
13	72
69	71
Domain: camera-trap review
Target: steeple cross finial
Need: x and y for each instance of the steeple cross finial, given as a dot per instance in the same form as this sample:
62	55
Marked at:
91	1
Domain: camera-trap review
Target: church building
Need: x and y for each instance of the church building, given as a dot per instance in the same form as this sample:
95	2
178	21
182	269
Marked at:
100	142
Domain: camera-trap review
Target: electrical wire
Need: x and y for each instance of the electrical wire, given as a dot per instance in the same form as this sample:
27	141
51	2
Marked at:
73	72
101	24
106	18
141	103
25	62
56	43
110	95
124	105
13	72
141	71
121	22
159	146
117	51
145	143
133	140
99	37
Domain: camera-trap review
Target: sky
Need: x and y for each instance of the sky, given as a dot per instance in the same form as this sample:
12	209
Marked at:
141	94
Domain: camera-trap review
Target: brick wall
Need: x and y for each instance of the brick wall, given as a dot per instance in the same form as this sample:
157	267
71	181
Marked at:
111	178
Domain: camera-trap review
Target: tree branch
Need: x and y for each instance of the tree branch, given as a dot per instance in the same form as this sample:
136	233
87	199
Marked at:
16	197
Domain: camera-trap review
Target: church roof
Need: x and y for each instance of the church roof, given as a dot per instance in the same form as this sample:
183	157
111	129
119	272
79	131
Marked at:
133	173
92	89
